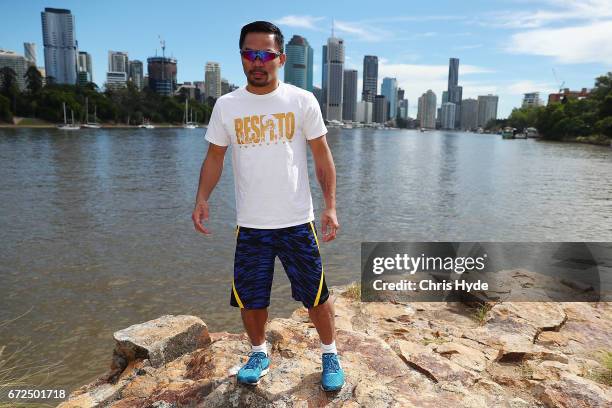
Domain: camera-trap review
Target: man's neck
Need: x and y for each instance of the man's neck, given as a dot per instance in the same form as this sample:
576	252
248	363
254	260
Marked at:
262	90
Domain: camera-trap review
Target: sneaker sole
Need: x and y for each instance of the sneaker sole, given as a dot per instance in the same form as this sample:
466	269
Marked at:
331	390
263	372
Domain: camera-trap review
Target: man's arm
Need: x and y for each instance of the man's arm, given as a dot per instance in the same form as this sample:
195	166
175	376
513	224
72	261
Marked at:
209	176
326	174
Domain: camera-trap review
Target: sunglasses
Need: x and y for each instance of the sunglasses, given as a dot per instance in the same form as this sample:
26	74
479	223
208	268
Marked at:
264	56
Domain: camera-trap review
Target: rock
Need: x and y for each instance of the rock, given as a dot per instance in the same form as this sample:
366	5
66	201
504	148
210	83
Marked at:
161	340
572	391
394	354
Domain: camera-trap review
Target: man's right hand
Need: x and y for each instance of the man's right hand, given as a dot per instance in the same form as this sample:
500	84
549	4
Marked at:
200	212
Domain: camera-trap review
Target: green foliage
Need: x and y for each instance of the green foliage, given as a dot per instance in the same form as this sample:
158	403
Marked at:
126	106
579	118
5	110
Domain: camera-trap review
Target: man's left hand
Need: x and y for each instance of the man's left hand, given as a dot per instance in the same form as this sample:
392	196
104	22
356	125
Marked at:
329	223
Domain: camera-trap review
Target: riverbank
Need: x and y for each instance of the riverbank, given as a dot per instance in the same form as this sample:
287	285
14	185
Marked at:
33	123
526	354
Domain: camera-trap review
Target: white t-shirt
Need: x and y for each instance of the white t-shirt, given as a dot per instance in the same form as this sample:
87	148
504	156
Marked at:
268	136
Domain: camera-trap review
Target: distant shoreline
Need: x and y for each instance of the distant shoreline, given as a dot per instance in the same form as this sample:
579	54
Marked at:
102	126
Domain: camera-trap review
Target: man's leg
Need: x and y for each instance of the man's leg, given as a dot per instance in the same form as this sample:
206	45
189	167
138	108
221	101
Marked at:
253	272
254	321
322	316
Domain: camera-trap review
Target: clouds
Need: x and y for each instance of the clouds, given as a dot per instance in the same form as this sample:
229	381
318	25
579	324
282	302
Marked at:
568	45
307	22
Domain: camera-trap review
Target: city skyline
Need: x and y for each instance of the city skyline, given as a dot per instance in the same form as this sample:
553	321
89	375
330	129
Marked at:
502	48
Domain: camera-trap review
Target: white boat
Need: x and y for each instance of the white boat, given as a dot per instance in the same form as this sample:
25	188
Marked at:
146	125
66	125
188	123
88	124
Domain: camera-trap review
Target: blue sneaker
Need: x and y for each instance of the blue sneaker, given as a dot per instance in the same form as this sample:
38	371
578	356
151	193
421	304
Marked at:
332	378
254	369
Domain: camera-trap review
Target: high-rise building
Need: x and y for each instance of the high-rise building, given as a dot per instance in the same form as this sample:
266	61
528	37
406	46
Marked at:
212	80
136	74
161	75
380	109
299	63
427	110
447	111
469	114
17	63
118	61
487	109
370	78
29	52
364	112
532	99
118	69
60	45
454	90
84	68
389	89
334	75
402	110
349	97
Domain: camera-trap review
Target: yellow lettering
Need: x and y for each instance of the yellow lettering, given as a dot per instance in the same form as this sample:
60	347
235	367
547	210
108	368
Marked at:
280	117
247	128
238	128
289	125
256	131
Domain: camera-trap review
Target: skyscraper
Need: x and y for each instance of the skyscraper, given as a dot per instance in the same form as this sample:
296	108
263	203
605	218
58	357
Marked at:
380	109
118	69
389	89
447	120
349	97
487	109
60	45
370	78
162	75
454	90
212	80
427	110
136	73
84	68
29	51
334	75
298	66
469	114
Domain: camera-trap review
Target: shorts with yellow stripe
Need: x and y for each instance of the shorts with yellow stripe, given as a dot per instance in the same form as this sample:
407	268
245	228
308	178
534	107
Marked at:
297	247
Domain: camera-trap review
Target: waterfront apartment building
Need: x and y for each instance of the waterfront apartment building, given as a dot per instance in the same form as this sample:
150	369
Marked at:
161	75
469	114
427	110
380	109
60	45
389	89
17	63
447	113
136	73
532	99
349	97
487	109
212	80
84	68
370	78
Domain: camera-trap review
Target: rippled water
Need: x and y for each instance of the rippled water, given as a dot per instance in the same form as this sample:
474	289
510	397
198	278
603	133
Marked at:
96	230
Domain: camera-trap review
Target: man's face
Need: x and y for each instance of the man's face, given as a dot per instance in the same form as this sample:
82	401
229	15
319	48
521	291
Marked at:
260	73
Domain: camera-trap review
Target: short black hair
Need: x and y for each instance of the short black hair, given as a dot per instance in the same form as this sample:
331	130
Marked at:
263	27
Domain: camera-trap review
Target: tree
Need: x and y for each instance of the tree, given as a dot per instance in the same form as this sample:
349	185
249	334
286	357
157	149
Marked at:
10	88
5	110
33	80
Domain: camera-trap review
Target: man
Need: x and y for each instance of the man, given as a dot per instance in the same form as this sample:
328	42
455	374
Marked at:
268	124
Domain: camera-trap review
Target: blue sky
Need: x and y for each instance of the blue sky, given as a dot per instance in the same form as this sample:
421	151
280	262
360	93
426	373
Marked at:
505	47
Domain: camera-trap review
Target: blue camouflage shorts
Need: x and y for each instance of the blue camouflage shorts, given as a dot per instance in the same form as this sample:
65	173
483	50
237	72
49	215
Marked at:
298	249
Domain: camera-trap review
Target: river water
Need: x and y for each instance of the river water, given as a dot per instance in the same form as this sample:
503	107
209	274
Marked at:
96	231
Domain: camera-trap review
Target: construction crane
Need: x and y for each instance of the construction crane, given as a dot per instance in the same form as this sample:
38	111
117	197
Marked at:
557	81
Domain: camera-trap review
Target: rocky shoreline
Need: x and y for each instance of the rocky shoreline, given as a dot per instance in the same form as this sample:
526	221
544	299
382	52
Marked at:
395	354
